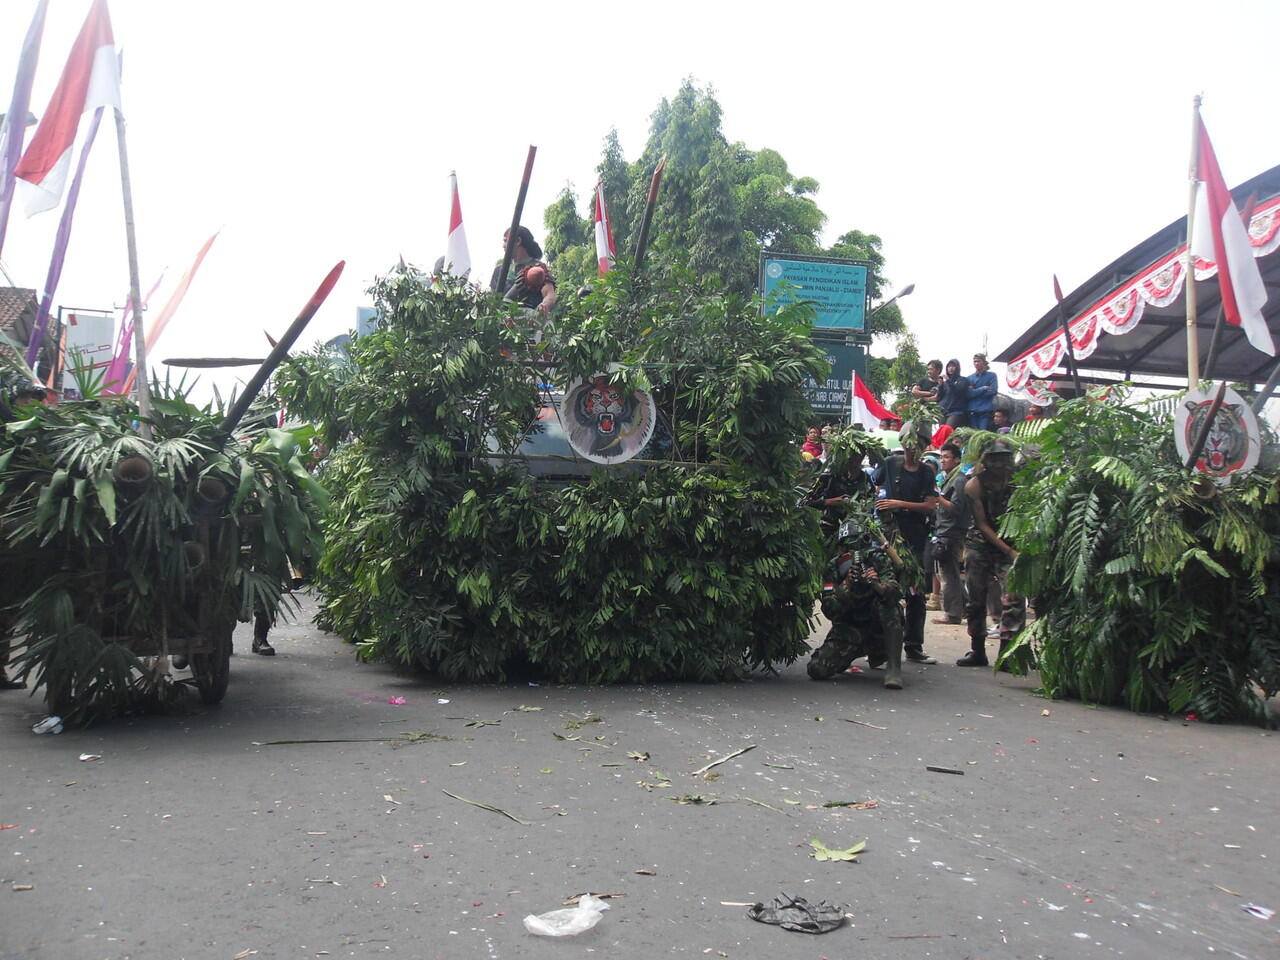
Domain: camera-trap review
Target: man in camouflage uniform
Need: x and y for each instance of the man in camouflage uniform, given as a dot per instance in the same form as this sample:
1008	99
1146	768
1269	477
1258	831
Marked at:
987	557
865	611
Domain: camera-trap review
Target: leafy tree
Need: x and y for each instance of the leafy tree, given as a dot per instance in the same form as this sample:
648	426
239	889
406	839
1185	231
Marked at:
718	248
906	368
565	228
615	175
775	208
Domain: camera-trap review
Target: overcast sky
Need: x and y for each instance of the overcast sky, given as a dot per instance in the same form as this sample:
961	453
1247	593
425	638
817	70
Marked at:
989	145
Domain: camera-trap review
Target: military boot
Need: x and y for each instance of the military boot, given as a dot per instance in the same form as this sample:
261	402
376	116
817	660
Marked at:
893	659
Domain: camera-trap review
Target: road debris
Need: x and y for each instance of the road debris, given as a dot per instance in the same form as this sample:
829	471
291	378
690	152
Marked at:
863	723
567	923
577	897
695	799
798	914
761	803
715	763
853	804
486	806
527	709
645	873
1262	913
823	853
89	757
958	773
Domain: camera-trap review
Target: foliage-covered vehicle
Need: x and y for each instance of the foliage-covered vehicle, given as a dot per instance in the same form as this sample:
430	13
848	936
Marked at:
120	551
1154	589
445	553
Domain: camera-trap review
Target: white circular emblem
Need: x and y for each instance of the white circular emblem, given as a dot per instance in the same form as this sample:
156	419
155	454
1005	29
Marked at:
774	269
604	423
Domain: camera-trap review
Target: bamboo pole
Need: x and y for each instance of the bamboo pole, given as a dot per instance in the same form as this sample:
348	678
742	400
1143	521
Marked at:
142	381
510	251
642	242
1193	342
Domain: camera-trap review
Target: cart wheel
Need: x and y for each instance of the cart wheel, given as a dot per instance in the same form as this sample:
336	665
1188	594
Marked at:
211	671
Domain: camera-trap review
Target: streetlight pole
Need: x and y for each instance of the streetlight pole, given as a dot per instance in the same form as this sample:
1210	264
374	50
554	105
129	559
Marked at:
904	292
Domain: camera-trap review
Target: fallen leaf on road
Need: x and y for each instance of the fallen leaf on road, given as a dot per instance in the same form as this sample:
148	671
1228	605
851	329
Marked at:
575	723
694	799
794	803
390	799
647	873
244	953
779	766
526	709
545	770
637	755
561	736
486	806
822	852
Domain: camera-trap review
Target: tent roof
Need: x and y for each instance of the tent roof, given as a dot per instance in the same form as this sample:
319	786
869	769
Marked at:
1130	318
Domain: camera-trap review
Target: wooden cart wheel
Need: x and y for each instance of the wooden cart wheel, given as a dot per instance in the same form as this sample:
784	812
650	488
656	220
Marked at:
211	671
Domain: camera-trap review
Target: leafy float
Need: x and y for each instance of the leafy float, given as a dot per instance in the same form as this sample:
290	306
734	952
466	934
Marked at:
1149	595
444	555
98	546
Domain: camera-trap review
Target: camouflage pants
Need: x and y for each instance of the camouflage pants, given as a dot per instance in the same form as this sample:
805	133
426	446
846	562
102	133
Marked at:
984	570
846	641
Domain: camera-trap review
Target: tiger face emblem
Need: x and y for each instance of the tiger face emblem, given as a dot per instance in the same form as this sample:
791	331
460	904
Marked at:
606	423
1228	442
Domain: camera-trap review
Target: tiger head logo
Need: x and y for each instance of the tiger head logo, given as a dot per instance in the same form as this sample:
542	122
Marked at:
608	424
1228	441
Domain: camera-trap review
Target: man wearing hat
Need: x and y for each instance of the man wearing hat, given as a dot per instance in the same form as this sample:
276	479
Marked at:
528	280
907	493
987	557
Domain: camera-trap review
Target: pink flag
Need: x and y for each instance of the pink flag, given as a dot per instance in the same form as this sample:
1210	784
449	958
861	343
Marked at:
1227	244
113	380
864	408
171	307
90	79
457	258
604	232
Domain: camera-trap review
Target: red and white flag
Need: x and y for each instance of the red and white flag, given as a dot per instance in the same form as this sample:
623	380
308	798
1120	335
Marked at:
864	408
90	79
457	258
604	232
1220	236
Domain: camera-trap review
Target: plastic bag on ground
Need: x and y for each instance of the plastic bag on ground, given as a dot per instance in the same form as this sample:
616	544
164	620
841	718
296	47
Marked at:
568	922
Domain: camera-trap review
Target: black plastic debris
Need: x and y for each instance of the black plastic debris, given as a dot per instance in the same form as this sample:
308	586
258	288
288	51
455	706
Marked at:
797	913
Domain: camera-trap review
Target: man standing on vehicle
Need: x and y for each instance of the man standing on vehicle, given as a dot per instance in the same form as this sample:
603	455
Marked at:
983	388
906	496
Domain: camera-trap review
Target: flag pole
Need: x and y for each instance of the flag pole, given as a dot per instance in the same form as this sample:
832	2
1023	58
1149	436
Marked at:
1193	343
510	252
143	381
1066	332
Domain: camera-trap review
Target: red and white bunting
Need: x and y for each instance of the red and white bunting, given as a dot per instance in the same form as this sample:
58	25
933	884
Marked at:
1121	310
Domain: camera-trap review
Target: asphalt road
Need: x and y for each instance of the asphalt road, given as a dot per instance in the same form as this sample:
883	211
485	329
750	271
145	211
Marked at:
1083	833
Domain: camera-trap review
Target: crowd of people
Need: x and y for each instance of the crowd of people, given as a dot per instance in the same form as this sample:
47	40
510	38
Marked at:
944	511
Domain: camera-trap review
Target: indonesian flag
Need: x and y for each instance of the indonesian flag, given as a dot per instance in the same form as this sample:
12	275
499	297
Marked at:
604	232
1225	241
864	408
457	258
90	79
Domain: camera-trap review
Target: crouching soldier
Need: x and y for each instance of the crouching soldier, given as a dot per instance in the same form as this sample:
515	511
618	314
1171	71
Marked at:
865	609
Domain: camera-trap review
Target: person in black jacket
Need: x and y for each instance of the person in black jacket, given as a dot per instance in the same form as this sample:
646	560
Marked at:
953	395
